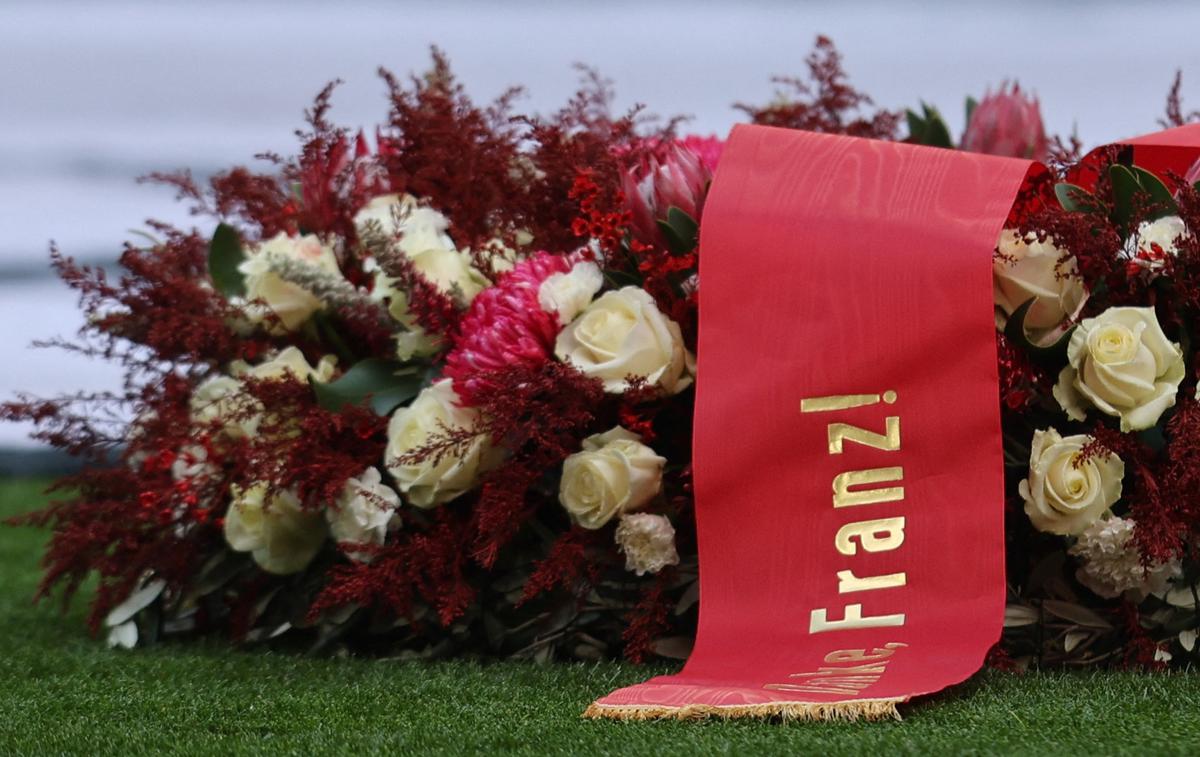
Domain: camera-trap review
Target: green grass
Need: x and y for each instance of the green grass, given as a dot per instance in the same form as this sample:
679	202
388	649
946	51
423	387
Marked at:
61	691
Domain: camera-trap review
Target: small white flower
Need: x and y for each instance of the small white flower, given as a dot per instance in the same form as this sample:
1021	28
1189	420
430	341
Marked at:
1110	564
363	512
1154	241
648	542
567	294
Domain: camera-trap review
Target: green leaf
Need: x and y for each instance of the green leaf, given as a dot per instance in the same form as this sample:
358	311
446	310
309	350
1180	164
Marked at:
1125	188
225	254
928	128
382	385
1137	189
680	229
1076	199
916	127
1054	354
972	104
937	134
1161	197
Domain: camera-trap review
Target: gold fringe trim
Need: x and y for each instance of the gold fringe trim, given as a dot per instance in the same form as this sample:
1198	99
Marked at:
865	709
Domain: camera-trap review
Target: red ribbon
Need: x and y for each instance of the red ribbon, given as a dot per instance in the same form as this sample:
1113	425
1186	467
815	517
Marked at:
848	463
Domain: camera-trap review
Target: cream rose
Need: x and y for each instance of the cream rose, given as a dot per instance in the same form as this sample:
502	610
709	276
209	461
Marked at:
1026	269
281	536
437	478
420	233
1121	363
222	399
219	400
363	512
622	334
1154	241
1064	494
291	303
615	473
567	294
648	542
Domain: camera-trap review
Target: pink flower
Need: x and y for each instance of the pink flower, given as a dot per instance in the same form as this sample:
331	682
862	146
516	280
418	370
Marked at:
506	326
1008	124
1193	174
708	149
676	175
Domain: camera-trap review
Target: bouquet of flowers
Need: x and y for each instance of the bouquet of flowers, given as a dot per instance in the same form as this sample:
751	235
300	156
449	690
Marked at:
432	390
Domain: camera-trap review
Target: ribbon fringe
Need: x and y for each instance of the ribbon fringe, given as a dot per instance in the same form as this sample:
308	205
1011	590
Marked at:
865	709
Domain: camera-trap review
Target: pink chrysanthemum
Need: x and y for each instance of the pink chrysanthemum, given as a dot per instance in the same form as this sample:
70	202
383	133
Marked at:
506	326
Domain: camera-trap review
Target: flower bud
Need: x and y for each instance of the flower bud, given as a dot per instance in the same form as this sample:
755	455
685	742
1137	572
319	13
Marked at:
1008	124
673	176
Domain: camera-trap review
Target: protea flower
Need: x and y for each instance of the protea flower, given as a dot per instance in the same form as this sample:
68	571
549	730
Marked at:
673	176
1008	124
1193	174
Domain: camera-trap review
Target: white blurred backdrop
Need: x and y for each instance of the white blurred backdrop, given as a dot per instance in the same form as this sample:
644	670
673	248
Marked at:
94	94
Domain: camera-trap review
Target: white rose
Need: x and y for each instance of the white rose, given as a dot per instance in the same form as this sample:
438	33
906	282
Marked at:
281	536
615	473
420	233
219	399
1026	269
1154	241
648	542
622	334
290	363
1122	364
363	512
438	478
291	303
567	294
1065	494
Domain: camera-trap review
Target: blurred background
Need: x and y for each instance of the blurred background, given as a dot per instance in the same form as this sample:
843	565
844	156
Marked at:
94	94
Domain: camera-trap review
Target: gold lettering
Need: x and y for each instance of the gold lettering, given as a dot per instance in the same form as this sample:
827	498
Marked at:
844	402
882	535
810	689
839	433
852	618
843	497
848	582
860	655
870	667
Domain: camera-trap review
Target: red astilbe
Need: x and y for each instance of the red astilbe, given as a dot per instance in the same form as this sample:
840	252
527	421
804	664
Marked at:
434	310
303	447
569	564
825	104
426	565
124	522
1022	382
540	414
583	137
1174	115
164	301
464	159
648	620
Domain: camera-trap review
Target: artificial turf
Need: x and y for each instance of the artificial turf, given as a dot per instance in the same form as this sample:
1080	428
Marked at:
64	692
